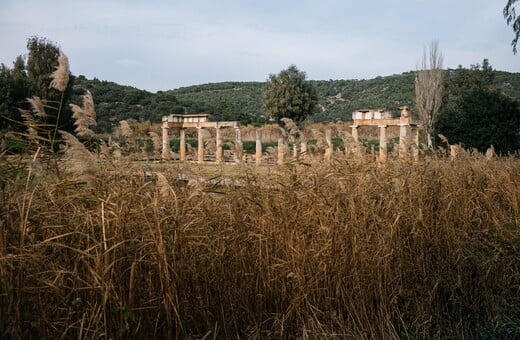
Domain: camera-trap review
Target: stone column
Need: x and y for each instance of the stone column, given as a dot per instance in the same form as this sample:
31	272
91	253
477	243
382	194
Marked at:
200	146
258	154
166	152
383	152
328	150
355	133
281	151
403	140
182	145
219	146
414	137
238	146
303	146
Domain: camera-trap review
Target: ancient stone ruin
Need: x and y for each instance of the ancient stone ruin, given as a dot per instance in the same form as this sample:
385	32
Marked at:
408	135
408	131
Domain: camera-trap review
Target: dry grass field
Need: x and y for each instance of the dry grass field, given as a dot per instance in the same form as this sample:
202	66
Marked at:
347	250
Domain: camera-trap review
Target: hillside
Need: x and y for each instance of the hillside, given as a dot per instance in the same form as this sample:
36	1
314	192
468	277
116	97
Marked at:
242	100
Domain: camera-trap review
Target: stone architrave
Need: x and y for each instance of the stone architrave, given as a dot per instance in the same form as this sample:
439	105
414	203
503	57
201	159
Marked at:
166	152
182	144
219	145
383	151
200	145
258	154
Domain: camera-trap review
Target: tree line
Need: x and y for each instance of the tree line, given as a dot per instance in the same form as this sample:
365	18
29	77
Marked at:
479	104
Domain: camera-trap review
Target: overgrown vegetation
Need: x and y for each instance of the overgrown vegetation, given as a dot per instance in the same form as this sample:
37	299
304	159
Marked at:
429	250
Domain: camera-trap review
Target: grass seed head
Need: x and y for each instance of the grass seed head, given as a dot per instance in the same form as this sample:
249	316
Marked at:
60	77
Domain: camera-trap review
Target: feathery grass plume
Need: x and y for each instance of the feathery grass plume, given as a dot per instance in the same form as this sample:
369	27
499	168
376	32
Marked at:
88	106
443	138
30	124
321	140
116	151
60	77
157	141
490	153
79	161
104	150
292	128
37	107
124	129
84	116
210	146
165	190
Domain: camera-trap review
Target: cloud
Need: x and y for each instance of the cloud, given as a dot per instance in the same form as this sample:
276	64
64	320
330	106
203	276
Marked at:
178	43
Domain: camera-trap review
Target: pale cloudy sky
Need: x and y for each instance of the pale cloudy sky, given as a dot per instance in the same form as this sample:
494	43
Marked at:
161	45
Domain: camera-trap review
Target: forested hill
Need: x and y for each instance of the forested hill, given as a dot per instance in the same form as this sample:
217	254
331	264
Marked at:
242	100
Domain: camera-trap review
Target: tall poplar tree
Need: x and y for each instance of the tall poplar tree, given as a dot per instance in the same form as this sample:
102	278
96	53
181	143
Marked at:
429	89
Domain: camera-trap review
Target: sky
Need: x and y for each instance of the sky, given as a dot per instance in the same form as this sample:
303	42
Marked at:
162	45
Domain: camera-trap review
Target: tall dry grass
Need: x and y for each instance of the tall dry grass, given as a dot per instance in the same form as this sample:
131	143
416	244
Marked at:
347	250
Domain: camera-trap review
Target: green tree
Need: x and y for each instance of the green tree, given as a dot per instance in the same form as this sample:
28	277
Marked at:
476	114
42	61
289	95
14	89
513	20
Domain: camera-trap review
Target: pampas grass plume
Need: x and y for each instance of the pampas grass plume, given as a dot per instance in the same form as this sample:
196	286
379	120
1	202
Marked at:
60	77
79	161
124	129
157	141
37	107
165	190
84	116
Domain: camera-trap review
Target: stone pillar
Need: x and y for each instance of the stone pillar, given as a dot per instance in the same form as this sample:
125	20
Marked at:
328	150
414	138
258	154
200	146
383	151
403	140
182	145
303	146
166	152
219	146
281	151
238	146
355	133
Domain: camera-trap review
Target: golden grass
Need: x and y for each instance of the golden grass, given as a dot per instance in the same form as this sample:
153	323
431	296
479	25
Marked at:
346	250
